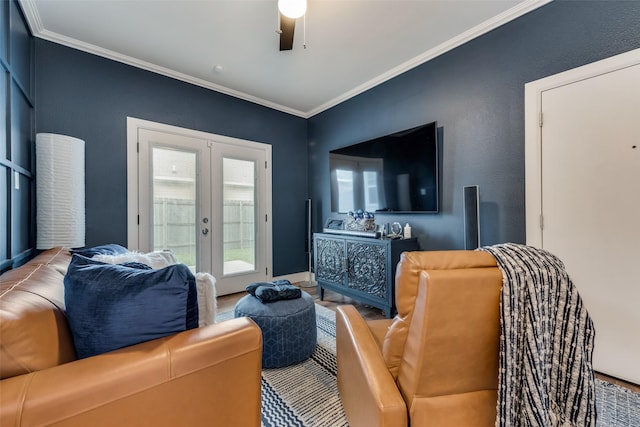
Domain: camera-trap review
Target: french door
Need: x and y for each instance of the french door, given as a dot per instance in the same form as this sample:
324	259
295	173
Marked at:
240	212
174	201
206	198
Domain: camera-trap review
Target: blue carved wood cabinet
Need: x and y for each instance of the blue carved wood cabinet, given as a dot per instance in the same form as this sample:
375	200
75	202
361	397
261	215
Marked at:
359	267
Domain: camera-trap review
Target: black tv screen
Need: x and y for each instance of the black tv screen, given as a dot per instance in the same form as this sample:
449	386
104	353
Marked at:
393	173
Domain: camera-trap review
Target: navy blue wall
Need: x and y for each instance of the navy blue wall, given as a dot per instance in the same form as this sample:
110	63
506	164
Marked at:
476	93
89	97
17	216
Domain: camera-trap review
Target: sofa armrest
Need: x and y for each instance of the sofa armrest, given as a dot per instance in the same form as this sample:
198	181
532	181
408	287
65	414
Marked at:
368	391
197	377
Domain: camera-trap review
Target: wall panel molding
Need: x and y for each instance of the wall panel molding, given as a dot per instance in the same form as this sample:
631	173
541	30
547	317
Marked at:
17	197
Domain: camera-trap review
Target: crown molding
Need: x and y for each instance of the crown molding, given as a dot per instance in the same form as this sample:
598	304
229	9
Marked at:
33	17
477	31
115	56
35	24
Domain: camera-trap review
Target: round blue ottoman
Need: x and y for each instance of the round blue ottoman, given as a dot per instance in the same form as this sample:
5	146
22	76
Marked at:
288	328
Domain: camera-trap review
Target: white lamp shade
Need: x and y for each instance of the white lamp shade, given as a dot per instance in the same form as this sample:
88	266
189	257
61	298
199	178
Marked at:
292	8
60	217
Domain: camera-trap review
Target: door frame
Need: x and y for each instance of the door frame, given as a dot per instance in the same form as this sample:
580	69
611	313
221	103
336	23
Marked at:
533	120
133	184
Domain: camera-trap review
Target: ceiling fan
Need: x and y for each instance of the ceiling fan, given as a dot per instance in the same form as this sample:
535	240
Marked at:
289	11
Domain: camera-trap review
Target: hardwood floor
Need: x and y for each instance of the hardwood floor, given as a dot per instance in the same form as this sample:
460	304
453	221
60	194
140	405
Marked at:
633	387
333	299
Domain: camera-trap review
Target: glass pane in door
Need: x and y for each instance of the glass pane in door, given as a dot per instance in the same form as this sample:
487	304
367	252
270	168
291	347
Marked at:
174	203
239	207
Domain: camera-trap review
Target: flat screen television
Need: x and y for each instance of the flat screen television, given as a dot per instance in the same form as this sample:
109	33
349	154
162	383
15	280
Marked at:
392	174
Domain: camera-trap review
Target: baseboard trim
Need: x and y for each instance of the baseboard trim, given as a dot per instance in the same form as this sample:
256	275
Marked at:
296	277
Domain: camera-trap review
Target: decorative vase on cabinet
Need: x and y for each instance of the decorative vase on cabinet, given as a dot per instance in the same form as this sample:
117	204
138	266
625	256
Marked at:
359	267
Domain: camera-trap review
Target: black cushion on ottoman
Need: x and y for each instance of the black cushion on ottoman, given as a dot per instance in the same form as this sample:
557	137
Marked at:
288	327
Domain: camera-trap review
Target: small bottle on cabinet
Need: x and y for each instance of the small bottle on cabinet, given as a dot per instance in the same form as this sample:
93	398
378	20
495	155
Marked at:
407	231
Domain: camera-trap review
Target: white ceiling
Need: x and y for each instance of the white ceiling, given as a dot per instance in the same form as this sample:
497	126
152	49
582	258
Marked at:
351	45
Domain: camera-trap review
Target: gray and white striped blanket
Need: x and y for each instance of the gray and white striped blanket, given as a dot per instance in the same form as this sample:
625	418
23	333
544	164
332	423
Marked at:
546	343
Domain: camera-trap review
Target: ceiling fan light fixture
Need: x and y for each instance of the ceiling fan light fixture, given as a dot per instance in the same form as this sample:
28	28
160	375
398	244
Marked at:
292	8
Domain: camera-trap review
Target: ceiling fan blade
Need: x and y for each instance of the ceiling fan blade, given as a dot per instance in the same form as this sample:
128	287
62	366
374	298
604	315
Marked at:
287	27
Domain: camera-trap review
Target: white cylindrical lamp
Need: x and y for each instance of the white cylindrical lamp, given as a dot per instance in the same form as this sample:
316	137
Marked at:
60	211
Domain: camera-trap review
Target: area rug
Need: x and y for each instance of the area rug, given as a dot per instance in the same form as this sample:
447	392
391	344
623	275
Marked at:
306	394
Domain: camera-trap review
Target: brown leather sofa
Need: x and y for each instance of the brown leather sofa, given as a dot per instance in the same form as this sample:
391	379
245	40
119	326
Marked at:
207	376
436	362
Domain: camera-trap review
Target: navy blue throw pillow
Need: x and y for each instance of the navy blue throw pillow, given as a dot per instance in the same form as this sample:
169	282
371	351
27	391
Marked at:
109	249
113	306
138	265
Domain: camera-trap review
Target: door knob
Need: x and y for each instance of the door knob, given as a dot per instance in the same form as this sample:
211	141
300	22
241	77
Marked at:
205	231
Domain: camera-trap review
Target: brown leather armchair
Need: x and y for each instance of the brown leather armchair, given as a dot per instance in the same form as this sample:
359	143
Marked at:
207	376
436	362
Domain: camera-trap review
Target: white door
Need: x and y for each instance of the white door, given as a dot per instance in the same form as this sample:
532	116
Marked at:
590	186
205	197
240	214
175	197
